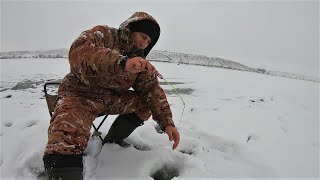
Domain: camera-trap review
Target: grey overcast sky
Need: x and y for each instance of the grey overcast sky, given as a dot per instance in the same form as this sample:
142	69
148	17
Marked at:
277	35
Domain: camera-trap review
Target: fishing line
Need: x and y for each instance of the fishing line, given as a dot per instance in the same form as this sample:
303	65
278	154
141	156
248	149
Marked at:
175	90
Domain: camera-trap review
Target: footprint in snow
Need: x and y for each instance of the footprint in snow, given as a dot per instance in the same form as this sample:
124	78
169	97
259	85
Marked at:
252	137
8	96
31	123
7	124
209	142
284	129
187	151
257	100
240	97
225	99
141	147
283	120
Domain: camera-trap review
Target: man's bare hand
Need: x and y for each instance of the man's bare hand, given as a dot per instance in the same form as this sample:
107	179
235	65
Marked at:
138	64
174	135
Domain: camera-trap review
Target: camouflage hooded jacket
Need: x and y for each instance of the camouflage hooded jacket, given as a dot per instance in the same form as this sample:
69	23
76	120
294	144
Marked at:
95	70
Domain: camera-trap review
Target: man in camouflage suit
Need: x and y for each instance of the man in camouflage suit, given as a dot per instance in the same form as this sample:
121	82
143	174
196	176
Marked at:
105	63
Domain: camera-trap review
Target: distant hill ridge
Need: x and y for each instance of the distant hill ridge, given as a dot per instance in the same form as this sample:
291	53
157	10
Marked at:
56	53
165	56
155	55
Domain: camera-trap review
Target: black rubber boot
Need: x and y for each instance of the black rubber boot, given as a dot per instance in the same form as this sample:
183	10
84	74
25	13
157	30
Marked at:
121	128
63	167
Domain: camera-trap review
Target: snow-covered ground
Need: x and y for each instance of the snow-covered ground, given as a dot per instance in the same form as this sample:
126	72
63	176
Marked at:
236	124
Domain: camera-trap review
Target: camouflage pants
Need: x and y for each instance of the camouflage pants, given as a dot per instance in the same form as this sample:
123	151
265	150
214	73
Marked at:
69	129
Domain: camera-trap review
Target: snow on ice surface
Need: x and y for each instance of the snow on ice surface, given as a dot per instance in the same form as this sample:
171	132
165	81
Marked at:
236	125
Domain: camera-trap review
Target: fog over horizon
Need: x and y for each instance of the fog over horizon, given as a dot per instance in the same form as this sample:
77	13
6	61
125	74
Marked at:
274	35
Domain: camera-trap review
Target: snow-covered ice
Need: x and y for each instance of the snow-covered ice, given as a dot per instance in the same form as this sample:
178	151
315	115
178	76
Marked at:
236	124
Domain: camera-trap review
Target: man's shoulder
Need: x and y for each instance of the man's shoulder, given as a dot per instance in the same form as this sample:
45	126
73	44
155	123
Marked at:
104	28
102	31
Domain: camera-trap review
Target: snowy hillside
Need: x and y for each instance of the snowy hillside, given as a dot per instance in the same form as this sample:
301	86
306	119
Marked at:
56	53
167	56
236	124
162	56
293	76
181	58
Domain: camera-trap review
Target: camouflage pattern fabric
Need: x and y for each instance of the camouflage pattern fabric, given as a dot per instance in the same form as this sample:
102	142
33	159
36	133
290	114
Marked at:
97	84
